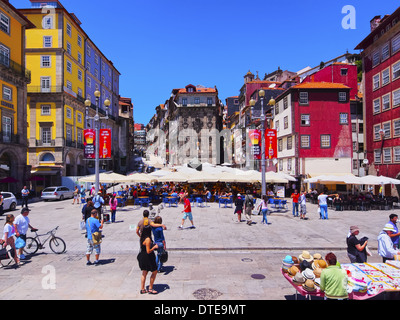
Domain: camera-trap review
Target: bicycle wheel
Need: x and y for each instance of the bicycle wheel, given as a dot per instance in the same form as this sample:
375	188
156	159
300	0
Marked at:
57	245
32	246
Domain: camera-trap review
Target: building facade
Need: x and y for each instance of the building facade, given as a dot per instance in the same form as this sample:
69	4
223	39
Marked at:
14	78
381	94
60	54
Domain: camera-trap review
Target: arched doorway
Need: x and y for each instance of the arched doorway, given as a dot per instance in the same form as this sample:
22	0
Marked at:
7	172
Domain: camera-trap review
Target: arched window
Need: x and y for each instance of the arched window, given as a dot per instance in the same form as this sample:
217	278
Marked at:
48	157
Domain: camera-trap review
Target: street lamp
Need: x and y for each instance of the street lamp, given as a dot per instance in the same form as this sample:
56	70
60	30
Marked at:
96	119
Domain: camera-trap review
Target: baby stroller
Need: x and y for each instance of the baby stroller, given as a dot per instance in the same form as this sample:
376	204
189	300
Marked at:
6	256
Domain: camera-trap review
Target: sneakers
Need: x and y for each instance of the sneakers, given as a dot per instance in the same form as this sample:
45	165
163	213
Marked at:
22	257
88	263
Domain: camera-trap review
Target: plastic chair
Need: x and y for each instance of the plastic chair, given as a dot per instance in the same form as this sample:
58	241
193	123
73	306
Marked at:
174	202
223	201
199	202
229	202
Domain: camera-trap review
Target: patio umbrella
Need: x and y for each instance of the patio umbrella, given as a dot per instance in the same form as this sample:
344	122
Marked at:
174	177
8	180
138	178
378	180
104	177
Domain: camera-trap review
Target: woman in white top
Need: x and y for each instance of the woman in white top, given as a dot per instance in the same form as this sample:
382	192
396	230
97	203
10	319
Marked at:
8	235
264	209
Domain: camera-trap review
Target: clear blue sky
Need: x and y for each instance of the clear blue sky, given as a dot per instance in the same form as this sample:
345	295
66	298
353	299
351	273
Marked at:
160	45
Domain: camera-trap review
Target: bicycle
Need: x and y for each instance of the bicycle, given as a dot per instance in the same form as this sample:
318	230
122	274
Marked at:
57	245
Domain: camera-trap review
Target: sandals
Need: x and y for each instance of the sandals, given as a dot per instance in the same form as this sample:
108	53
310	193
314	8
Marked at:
143	291
150	291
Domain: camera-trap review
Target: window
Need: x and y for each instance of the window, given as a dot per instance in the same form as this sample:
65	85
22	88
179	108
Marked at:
4	55
289	143
79	75
79	117
353	127
376	58
47	41
377	105
325	140
305	141
79	137
355	145
343	72
69	85
385	77
190	89
385	52
396	127
289	164
45	84
376	81
197	100
386	102
209	101
277	109
342	96
395	44
377	156
355	164
69	30
46	135
396	98
69	66
280	165
184	101
280	145
47	22
89	82
48	157
285	122
396	154
387	155
387	130
88	65
69	113
80	93
285	103
46	109
45	62
305	120
96	73
79	57
7	129
69	48
377	135
79	41
344	118
7	93
396	71
88	50
4	23
277	125
303	98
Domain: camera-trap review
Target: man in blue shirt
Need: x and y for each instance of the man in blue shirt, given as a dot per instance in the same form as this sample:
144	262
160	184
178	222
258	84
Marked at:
93	225
98	203
25	196
395	235
160	241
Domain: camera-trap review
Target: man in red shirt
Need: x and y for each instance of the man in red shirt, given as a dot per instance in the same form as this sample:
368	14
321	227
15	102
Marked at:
295	197
187	212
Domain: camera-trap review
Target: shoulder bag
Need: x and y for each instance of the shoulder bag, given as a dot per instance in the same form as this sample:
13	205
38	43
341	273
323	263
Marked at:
96	236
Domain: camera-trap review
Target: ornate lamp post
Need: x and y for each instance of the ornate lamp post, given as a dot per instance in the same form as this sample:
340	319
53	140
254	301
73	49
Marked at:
97	119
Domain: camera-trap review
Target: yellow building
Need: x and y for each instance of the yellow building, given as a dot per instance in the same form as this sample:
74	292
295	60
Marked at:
14	78
55	54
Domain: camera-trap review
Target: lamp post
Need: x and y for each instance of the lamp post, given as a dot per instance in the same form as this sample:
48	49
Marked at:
271	103
97	119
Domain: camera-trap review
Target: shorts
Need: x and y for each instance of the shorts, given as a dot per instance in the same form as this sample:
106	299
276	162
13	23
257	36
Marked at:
187	215
90	247
303	209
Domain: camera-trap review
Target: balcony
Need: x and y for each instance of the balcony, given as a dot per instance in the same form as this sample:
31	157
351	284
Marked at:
15	68
39	89
41	143
9	138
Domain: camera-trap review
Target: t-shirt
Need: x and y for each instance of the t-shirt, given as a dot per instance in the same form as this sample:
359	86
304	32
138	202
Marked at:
395	239
25	192
302	199
187	205
158	234
142	223
22	224
92	225
10	229
352	241
322	199
295	197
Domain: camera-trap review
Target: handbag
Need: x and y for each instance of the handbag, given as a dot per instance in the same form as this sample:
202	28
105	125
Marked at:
4	254
82	225
96	236
164	256
20	243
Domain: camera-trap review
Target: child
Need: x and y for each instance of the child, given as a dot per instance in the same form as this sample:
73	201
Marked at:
8	235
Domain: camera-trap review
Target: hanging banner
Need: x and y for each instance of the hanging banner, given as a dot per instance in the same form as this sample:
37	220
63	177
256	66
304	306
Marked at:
105	144
89	143
271	144
255	143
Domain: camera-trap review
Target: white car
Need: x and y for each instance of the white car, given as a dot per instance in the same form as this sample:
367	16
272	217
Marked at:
57	193
9	201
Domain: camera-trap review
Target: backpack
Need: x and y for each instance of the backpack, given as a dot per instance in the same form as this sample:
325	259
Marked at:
249	201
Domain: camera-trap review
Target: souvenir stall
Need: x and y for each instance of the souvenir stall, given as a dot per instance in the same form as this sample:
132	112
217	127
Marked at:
365	280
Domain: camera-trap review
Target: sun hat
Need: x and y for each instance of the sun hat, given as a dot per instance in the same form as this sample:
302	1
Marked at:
317	272
354	228
293	270
308	274
305	255
299	279
317	256
309	285
295	260
304	265
389	227
288	259
320	264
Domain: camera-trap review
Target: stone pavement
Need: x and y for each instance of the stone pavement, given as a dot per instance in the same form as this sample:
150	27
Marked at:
220	259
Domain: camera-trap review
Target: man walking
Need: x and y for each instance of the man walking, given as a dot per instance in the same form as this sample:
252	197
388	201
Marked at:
93	225
21	225
25	196
187	212
302	202
248	205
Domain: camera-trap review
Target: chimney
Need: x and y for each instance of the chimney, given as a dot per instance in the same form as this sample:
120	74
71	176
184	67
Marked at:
375	22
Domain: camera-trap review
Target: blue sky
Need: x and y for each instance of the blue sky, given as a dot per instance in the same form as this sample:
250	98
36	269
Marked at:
160	45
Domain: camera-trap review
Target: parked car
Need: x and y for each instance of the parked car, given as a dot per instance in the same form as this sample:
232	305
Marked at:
9	201
57	193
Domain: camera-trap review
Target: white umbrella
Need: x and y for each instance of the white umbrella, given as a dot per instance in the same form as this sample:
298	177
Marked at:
104	178
174	177
138	178
378	180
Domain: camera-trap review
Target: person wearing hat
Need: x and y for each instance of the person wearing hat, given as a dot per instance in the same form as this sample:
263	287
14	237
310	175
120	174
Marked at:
356	249
305	255
239	206
385	245
21	225
333	280
98	202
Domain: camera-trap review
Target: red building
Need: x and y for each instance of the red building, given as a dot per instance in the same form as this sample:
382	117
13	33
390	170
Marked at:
381	63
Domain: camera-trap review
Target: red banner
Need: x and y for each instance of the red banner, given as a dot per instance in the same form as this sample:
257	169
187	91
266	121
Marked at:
105	144
255	143
271	144
89	143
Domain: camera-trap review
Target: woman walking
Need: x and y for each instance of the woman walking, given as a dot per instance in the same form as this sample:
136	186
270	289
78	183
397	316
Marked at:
159	240
147	259
113	206
8	235
239	207
76	195
264	209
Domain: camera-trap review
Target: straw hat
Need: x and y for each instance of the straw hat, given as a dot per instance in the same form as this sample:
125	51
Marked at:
309	285
317	272
298	279
320	264
317	256
287	262
308	274
389	227
293	270
305	255
295	260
